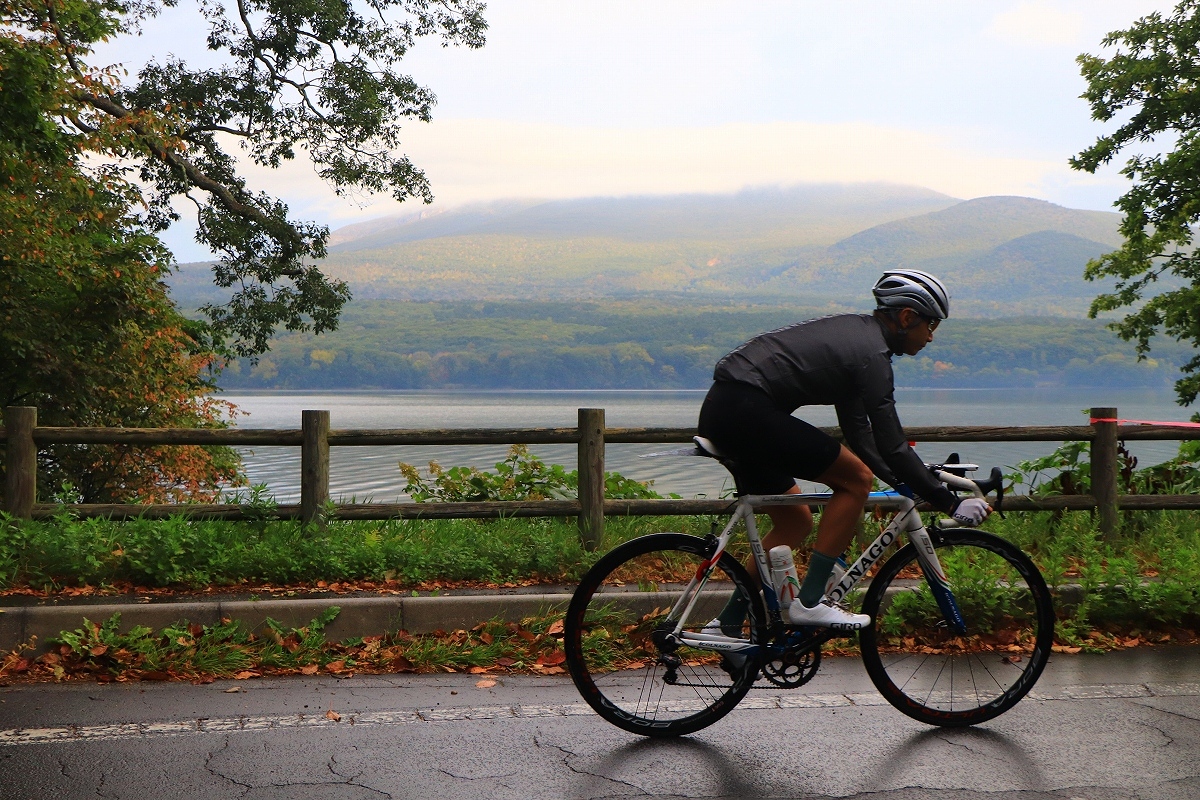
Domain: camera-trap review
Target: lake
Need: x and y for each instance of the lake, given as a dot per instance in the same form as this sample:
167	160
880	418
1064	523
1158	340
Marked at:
371	473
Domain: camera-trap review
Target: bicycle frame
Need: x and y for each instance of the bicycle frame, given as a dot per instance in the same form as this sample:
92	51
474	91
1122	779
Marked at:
906	520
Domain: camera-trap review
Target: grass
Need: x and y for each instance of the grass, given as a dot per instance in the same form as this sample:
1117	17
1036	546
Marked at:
200	653
1146	580
65	553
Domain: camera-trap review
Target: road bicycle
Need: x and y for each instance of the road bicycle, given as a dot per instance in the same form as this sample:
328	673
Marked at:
962	620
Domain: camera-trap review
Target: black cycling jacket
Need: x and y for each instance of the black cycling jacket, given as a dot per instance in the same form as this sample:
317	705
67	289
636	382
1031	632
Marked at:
843	361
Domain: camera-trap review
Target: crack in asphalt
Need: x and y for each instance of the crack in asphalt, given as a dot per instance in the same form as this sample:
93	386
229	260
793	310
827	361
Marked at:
100	785
450	774
964	746
1172	712
566	761
1151	726
211	770
353	780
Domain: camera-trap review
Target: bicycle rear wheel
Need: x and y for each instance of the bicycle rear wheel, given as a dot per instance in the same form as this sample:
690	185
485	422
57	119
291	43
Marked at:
618	655
922	667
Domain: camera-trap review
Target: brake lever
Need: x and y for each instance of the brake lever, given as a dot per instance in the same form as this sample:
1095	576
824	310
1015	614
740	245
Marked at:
994	483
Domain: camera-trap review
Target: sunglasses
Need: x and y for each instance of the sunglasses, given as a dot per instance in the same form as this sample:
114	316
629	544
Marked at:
931	322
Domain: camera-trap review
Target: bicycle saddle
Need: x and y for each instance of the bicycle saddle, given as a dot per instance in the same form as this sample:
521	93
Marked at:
706	447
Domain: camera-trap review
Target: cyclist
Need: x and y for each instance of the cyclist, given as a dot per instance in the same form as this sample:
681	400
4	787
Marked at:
844	361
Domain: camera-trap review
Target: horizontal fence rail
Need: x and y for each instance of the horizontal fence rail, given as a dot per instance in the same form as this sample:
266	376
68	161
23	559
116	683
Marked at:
22	437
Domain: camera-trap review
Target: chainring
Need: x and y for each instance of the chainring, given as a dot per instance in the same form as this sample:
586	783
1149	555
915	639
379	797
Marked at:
795	667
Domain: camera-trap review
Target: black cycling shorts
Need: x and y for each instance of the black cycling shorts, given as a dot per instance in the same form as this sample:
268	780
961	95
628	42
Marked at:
768	448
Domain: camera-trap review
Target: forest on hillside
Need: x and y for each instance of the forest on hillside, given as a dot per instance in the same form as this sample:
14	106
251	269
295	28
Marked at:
664	343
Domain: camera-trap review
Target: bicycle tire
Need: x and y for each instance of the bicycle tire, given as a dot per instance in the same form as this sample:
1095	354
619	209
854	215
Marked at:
930	674
610	653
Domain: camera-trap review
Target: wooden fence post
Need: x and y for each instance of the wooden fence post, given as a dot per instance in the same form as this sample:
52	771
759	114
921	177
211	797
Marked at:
20	477
1104	470
591	476
314	464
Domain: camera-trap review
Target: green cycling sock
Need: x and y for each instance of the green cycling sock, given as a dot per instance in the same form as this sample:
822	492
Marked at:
734	613
820	567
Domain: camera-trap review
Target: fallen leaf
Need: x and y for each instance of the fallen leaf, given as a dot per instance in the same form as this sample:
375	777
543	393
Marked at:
477	670
486	638
333	715
244	674
400	664
233	690
336	666
309	669
99	650
553	658
486	683
505	661
554	670
555	628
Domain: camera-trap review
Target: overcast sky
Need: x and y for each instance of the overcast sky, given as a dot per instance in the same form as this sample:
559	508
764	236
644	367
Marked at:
572	99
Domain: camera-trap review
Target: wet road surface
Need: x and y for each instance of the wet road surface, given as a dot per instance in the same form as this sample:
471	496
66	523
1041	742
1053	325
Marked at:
1117	726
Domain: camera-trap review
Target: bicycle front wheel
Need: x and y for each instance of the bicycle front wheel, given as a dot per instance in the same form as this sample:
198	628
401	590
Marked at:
624	665
935	674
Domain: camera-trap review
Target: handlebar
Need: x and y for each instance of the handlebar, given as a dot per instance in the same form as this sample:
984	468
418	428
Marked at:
994	483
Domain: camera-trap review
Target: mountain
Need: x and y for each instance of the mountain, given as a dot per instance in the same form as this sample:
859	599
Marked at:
999	255
814	245
971	227
812	214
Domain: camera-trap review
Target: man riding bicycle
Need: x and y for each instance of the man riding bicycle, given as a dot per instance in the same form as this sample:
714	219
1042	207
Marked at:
843	361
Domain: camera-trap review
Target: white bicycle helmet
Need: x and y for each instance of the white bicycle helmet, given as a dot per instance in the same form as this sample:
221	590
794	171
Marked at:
911	288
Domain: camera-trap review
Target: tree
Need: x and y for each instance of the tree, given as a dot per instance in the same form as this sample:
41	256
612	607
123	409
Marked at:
1152	82
88	333
313	75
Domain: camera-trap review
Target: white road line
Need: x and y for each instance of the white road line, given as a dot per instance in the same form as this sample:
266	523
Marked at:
134	730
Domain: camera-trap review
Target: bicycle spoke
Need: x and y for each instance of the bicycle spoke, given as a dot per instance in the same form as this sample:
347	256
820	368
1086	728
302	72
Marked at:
621	647
959	680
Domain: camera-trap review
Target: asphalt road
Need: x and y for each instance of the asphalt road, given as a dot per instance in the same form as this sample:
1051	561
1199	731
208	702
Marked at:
1112	727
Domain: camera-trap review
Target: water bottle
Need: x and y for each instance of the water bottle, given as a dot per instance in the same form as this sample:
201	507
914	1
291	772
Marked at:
839	569
783	575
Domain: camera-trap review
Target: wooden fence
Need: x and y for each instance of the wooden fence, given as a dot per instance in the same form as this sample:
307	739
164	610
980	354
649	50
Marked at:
23	436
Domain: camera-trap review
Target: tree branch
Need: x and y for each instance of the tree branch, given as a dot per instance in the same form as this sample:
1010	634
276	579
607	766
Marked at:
195	175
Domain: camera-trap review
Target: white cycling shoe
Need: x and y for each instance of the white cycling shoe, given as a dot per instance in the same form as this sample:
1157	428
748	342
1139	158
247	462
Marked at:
823	615
735	660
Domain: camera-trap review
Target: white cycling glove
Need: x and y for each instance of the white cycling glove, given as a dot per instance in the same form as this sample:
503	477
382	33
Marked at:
971	511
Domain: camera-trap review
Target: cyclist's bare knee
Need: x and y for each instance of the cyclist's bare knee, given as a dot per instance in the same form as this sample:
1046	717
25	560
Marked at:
848	474
796	520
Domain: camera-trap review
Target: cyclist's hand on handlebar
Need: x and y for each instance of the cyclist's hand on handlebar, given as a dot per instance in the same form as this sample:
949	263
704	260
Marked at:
971	511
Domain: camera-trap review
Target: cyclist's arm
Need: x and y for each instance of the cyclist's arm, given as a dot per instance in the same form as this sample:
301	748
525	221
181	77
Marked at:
856	427
880	406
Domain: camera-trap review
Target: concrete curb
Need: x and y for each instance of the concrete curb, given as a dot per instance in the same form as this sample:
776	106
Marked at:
360	616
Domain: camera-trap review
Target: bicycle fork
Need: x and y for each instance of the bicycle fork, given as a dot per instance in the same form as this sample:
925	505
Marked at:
938	582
